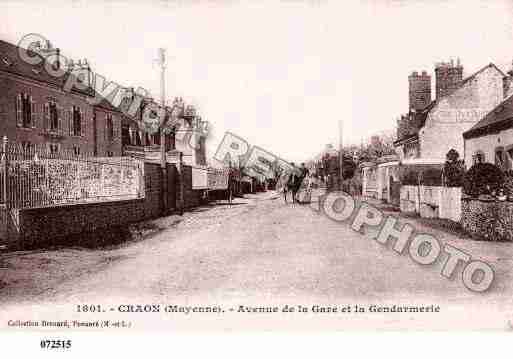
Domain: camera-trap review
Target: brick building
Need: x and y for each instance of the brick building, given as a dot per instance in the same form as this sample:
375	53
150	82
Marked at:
35	110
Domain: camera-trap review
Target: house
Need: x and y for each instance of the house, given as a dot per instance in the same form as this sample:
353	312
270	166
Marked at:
35	110
491	139
429	133
431	128
185	136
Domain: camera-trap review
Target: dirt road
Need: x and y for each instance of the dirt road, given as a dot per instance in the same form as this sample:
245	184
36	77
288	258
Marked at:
257	252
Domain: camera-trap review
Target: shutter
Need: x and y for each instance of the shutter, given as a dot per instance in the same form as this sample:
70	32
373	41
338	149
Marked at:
33	113
46	115
82	123
19	108
60	121
70	121
105	129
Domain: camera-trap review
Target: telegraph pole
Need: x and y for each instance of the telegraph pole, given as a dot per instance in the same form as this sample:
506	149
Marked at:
161	61
341	153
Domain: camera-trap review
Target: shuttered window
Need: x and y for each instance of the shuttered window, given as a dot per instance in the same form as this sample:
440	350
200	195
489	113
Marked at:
26	111
76	121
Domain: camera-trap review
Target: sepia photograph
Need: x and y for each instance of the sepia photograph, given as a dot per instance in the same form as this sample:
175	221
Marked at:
254	166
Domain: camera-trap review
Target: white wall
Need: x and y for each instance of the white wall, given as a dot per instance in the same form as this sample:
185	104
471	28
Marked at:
458	112
445	202
487	144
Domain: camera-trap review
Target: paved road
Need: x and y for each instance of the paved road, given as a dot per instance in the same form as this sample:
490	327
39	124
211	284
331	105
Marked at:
257	252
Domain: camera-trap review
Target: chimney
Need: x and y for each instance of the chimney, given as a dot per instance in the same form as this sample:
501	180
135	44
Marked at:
448	77
49	53
507	83
419	91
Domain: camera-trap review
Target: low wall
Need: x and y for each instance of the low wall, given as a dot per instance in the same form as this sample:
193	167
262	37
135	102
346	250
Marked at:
192	197
29	226
489	220
432	201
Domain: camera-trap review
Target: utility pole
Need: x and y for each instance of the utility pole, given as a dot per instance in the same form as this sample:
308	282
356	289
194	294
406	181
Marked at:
161	61
341	153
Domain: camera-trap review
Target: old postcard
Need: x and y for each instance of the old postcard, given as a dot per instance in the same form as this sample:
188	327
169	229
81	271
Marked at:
177	166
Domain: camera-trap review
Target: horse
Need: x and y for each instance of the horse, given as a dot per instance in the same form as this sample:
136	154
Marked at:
290	183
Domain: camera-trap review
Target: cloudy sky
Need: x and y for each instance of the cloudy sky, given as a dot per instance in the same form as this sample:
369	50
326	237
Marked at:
280	74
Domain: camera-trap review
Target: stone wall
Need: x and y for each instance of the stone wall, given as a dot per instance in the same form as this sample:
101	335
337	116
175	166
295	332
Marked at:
489	220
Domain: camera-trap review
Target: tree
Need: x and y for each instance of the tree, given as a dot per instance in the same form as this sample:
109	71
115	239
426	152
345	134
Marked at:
454	169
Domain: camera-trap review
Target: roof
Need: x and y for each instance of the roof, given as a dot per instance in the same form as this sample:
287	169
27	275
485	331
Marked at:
420	120
500	118
406	139
11	62
106	105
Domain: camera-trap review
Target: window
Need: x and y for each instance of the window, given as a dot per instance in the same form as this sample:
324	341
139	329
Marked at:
51	115
26	145
510	158
25	111
156	138
54	116
76	150
126	135
500	158
53	148
478	157
76	121
109	128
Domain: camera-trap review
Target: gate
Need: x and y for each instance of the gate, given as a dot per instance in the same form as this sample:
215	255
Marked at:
395	192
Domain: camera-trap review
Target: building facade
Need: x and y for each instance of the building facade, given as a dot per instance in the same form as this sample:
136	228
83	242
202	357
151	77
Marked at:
430	133
35	110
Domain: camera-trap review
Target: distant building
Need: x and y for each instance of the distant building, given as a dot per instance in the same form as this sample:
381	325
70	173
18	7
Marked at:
36	111
185	136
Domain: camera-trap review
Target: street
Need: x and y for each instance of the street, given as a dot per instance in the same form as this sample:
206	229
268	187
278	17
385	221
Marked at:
256	252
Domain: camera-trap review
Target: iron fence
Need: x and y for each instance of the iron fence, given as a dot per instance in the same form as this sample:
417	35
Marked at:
36	177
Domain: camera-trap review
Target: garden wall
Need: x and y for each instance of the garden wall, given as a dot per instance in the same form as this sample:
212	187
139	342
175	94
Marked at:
490	220
432	201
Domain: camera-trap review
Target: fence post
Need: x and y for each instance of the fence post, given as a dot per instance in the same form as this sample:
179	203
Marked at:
5	188
181	201
163	171
6	167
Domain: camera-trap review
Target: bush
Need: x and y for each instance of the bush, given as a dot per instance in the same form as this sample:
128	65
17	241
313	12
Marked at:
410	178
508	183
454	169
431	177
427	177
483	179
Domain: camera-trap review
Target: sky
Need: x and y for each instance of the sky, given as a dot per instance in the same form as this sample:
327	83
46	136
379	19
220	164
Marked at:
282	75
